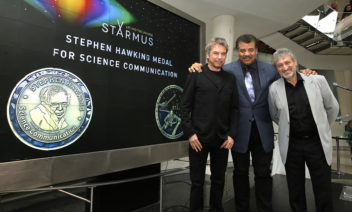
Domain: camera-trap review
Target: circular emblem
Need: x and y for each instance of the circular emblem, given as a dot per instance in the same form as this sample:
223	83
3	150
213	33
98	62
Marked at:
49	109
167	112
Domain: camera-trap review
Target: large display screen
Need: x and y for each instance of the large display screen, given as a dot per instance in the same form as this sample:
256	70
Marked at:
90	75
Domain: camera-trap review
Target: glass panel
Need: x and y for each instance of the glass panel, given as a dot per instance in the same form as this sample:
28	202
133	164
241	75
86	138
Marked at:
328	23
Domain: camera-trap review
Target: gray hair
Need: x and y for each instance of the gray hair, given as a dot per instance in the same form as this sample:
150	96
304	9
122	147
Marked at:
214	41
283	52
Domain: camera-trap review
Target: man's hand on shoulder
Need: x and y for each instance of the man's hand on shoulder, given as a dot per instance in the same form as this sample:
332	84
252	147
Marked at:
196	67
308	72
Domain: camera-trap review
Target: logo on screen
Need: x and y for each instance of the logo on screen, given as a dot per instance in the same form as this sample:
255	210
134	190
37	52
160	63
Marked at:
91	13
49	109
168	113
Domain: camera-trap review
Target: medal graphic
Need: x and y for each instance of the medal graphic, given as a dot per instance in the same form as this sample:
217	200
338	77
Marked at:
167	112
49	109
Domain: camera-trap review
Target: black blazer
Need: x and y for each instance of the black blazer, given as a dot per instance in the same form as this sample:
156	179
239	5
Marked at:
207	110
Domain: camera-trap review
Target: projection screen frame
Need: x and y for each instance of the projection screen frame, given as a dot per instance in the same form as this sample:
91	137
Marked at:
34	173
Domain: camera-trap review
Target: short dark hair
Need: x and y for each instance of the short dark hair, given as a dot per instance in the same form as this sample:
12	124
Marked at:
246	38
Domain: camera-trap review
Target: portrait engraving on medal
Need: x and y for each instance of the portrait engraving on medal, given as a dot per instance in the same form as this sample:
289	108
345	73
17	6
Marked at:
49	109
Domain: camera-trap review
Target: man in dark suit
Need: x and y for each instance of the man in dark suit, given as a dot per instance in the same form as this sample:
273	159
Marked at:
209	110
257	134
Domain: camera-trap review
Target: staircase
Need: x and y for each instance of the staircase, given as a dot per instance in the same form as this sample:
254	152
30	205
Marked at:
319	33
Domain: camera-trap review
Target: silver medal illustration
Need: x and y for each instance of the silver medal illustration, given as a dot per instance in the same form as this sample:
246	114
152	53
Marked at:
49	109
167	112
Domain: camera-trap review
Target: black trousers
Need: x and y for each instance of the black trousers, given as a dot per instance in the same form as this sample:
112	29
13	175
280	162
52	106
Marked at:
261	161
309	151
218	165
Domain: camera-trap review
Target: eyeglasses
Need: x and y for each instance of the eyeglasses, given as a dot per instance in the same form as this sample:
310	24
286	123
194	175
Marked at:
59	104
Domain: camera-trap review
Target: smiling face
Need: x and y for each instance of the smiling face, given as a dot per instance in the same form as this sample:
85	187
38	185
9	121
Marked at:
286	66
55	99
247	52
58	104
216	57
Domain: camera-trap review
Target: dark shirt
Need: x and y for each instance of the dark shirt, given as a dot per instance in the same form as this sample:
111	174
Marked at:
253	70
216	77
302	123
209	106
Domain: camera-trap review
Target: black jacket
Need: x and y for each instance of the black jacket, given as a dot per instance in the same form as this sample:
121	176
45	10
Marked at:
207	110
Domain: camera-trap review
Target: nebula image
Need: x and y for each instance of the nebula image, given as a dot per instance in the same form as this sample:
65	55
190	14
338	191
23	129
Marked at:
89	13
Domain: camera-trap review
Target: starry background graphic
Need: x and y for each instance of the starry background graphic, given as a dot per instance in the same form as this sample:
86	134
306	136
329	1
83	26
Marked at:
123	101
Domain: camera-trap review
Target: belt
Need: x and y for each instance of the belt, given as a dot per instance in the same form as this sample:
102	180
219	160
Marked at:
304	136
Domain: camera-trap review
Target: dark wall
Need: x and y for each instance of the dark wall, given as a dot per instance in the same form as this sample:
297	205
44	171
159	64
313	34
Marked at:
128	196
40	34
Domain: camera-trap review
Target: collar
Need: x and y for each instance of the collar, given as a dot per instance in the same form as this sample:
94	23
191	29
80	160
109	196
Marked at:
248	67
206	67
299	79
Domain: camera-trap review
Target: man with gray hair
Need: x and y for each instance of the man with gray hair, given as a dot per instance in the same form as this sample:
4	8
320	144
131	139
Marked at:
305	109
209	111
49	114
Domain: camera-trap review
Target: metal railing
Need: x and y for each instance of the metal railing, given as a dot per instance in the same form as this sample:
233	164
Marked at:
92	186
338	164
